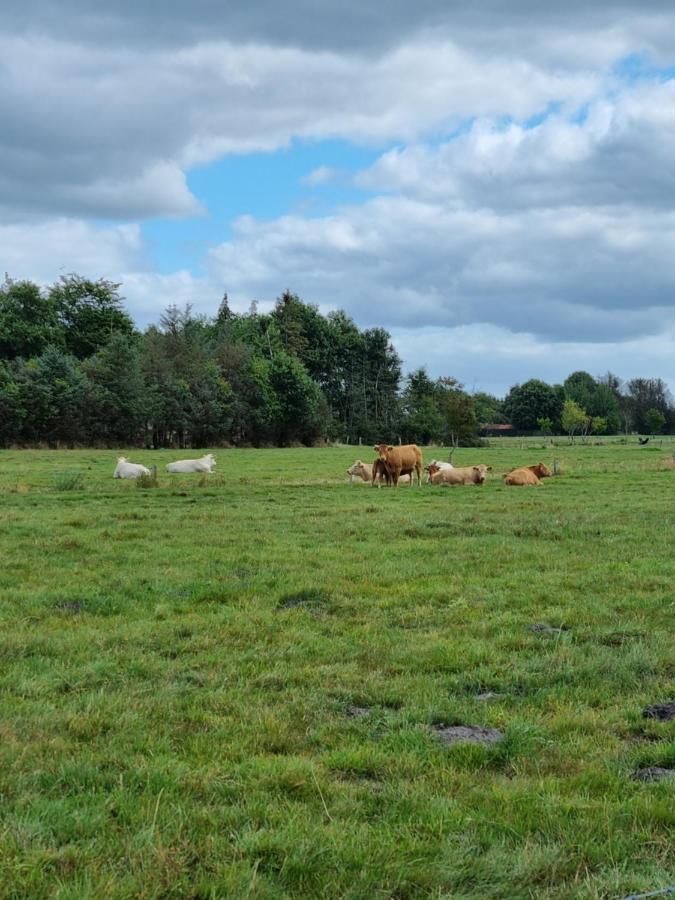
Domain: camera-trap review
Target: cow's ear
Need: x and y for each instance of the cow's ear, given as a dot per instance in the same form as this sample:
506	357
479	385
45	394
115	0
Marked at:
376	448
389	449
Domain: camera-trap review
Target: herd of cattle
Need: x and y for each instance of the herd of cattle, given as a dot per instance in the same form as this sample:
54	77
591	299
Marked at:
392	465
399	465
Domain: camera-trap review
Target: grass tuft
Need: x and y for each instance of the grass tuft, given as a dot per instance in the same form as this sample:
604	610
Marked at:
69	481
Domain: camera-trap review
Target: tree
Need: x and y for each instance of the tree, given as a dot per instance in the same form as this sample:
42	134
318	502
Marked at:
545	424
580	387
12	412
489	409
654	420
574	418
29	320
53	392
644	394
90	313
533	400
117	404
598	425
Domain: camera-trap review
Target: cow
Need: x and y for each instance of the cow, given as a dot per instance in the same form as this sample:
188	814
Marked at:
527	476
439	465
363	471
125	469
403	460
464	475
372	473
205	464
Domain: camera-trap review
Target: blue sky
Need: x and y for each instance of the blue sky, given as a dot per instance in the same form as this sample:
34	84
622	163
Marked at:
494	186
266	185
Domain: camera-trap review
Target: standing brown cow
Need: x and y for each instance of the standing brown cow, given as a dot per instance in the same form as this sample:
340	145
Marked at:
401	460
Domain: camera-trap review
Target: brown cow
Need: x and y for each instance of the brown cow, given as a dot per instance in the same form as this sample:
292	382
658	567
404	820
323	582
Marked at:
528	475
401	460
463	475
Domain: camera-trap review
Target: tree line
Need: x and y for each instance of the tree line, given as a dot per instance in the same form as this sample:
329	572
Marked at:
75	370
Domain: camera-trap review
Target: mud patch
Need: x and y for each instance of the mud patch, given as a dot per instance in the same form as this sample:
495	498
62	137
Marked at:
653	773
662	711
312	599
467	734
545	628
358	712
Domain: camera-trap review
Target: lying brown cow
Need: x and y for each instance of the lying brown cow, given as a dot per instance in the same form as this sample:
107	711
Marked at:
465	475
528	475
402	460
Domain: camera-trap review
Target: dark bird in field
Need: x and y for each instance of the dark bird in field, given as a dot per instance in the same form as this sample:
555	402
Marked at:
643	440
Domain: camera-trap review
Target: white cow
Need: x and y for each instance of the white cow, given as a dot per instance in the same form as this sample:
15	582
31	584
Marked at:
125	469
205	464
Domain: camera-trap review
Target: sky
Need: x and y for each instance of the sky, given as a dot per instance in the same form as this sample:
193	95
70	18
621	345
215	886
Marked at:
494	182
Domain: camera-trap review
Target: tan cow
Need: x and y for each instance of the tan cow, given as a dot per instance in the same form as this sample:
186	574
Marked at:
402	460
371	473
464	475
528	475
439	465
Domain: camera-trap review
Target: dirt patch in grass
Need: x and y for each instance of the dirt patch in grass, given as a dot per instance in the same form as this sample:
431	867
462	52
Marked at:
467	734
545	628
653	773
308	598
662	711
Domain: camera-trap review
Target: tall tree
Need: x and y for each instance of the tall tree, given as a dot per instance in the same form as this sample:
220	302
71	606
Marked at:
29	320
533	400
91	312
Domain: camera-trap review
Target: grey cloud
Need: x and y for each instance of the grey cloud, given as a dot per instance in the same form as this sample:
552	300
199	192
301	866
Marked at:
331	24
620	153
556	274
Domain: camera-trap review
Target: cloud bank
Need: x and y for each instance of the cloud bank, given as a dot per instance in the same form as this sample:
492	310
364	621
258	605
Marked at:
520	209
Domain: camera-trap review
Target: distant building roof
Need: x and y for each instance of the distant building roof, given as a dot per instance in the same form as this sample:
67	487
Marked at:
497	427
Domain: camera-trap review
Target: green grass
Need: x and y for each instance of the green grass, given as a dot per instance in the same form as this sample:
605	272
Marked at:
178	668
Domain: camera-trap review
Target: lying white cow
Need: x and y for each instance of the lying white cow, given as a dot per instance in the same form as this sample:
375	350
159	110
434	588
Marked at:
125	469
439	465
205	464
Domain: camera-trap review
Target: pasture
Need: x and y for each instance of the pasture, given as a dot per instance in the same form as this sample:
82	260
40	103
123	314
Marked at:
226	685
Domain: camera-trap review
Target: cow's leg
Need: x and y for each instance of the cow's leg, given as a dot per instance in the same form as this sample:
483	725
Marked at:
394	477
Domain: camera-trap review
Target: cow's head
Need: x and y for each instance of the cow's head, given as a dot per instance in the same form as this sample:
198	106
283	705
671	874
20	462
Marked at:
383	450
122	459
432	468
542	471
356	468
481	473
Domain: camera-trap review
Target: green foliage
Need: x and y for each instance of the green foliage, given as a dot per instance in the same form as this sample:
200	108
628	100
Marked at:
533	400
574	418
545	424
29	320
69	481
53	392
91	313
654	420
12	412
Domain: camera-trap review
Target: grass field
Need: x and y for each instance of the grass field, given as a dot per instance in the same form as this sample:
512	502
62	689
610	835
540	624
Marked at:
227	686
